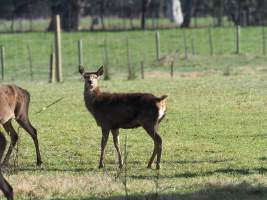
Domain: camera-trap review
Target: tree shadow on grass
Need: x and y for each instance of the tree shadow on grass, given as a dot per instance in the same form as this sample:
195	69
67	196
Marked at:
244	191
55	169
195	161
229	171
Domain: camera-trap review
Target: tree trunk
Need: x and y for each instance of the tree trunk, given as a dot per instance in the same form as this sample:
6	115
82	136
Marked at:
145	4
219	13
174	12
69	12
102	13
188	10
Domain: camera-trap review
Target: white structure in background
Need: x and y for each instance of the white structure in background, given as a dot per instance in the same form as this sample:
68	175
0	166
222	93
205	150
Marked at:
174	11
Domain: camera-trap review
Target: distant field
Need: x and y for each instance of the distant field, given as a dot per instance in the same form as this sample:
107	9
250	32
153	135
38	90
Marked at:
214	142
111	23
214	135
142	47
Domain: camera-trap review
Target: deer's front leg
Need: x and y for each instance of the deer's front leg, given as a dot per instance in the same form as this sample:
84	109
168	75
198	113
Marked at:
116	141
105	134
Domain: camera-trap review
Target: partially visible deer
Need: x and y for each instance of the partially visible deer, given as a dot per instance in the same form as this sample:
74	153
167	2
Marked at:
4	185
14	103
113	111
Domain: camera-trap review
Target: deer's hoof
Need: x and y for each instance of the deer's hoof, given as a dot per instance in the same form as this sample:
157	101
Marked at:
6	164
158	166
39	163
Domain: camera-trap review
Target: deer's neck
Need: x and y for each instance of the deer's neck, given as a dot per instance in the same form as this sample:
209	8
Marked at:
90	94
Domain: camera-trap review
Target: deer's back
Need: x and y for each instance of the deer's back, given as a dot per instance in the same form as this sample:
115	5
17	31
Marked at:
123	110
13	102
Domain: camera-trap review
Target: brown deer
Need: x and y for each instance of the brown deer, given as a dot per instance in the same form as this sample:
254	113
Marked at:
4	185
14	103
113	111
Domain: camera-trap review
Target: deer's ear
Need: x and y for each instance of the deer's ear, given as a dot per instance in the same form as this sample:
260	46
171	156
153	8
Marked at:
100	71
81	69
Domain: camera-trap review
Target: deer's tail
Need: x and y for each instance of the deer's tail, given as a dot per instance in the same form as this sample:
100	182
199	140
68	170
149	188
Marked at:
161	98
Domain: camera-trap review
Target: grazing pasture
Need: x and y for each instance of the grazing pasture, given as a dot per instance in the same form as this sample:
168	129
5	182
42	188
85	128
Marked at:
214	142
214	134
141	48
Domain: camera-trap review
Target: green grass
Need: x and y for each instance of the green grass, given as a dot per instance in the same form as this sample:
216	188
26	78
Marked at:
214	135
111	23
214	142
142	47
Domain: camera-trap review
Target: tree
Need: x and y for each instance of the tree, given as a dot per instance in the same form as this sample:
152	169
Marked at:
70	12
247	12
188	10
145	4
174	11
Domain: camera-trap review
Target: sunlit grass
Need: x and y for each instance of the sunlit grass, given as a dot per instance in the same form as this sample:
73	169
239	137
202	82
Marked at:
214	142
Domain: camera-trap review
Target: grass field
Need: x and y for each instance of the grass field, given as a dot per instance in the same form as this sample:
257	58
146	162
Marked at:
214	142
142	47
111	23
214	135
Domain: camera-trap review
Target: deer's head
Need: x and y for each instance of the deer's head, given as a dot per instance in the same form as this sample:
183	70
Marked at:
90	78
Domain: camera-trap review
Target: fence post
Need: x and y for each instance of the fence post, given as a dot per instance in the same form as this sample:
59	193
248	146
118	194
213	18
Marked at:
30	60
142	70
172	66
80	52
263	41
52	75
210	41
237	39
193	45
106	61
130	70
125	182
157	40
3	62
185	44
58	49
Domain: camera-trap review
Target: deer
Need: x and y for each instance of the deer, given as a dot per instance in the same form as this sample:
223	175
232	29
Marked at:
113	111
4	185
14	104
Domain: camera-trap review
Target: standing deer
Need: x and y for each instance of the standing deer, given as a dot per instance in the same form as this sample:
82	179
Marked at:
4	185
113	111
14	103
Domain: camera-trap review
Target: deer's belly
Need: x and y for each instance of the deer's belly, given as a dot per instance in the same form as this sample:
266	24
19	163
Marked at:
129	125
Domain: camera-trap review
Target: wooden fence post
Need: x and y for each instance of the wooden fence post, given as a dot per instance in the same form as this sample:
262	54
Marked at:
263	41
210	41
3	62
157	40
30	60
142	70
193	45
106	61
237	39
58	56
130	70
172	70
185	44
80	52
52	75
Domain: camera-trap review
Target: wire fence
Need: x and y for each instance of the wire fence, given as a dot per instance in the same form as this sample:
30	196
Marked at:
27	56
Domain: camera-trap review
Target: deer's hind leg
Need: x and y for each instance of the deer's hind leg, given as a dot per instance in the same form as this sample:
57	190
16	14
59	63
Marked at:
14	138
25	123
151	129
4	185
116	141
